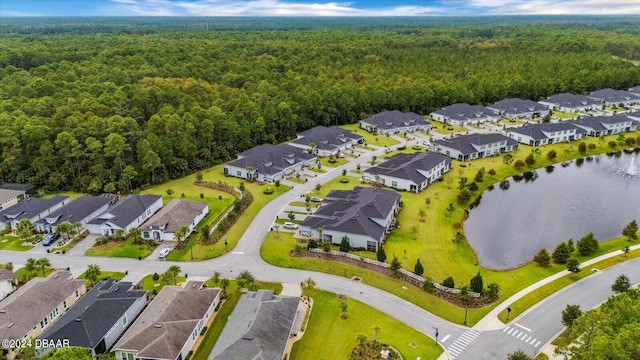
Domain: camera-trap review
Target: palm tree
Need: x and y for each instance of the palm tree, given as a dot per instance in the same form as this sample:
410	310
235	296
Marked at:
308	285
65	227
224	284
78	226
174	270
181	234
92	273
319	230
362	339
135	233
119	234
205	233
24	229
376	331
30	266
43	264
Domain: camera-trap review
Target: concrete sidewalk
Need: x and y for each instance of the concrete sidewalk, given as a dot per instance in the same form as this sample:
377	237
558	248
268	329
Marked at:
491	321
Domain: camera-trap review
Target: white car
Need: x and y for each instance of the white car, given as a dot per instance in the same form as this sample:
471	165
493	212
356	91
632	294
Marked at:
163	253
316	199
290	225
426	142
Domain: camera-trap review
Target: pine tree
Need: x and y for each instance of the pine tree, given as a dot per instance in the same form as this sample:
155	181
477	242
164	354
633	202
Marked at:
561	254
631	230
542	258
476	284
381	255
418	269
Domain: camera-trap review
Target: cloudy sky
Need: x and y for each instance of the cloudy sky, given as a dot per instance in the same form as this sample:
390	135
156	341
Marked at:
314	7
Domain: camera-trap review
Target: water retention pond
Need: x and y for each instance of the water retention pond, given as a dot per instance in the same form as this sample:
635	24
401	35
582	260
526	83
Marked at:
541	208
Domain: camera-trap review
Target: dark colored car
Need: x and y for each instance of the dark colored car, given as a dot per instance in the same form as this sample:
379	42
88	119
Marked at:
50	239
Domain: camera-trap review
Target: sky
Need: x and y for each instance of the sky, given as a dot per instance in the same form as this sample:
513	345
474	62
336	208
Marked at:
315	7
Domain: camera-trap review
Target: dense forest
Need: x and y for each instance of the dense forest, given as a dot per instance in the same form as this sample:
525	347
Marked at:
104	107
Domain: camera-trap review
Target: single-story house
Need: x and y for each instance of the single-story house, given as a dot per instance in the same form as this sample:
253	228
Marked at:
545	133
35	306
515	108
409	172
98	318
570	103
170	325
177	213
463	114
394	121
27	188
8	282
31	208
475	146
615	97
269	163
130	212
8	198
326	141
633	116
364	215
81	210
605	125
270	320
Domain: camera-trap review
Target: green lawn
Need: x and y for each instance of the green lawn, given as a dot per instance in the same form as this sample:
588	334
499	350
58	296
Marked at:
10	242
511	122
296	180
22	272
125	249
149	285
371	139
319	171
446	129
564	115
337	161
106	275
541	356
330	337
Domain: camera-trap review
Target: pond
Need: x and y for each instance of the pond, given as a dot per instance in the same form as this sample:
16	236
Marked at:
541	208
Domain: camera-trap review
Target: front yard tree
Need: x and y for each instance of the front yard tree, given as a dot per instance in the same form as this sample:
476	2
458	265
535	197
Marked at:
396	265
344	244
448	212
573	265
135	234
422	213
459	239
561	254
92	273
587	245
448	282
551	155
308	286
492	291
518	355
156	277
476	284
414	232
291	215
344	307
630	231
569	314
507	159
542	258
64	228
246	280
381	255
43	264
277	184
362	339
418	269
30	267
621	284
174	270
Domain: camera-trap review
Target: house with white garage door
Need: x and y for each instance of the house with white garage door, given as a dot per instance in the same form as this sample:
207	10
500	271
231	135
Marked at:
130	212
269	162
464	114
176	214
409	172
394	121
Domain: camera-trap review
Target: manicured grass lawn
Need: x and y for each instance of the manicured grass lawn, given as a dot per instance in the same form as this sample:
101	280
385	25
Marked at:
510	122
125	249
541	356
335	184
106	275
22	272
10	242
372	139
539	294
330	337
564	115
446	129
337	161
149	285
296	180
319	171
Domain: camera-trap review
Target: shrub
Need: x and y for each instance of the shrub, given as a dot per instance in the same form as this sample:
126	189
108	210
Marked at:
612	144
591	146
582	148
344	180
630	141
448	282
268	190
203	331
530	160
169	192
476	284
428	286
312	244
464	196
519	164
326	246
551	154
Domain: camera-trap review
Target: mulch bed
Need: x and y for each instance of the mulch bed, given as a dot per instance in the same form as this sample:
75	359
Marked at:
451	298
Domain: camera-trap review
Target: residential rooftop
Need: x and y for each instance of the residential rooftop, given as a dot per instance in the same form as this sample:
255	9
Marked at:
6	194
614	96
125	211
536	131
77	209
465	143
326	138
395	119
465	112
570	100
30	208
408	166
177	213
518	106
271	159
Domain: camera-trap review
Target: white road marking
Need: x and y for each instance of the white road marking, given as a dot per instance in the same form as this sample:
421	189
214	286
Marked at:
518	337
238	252
527	338
445	338
505	329
515	333
532	341
537	344
522	327
510	331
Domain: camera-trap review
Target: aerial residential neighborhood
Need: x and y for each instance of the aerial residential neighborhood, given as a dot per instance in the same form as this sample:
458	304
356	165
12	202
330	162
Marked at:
191	181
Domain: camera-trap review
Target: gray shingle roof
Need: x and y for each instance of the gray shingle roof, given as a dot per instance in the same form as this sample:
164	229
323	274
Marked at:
88	321
175	214
595	122
406	166
165	325
515	106
614	96
571	100
6	194
463	143
352	211
125	211
33	302
395	119
271	159
535	131
465	112
30	208
635	90
14	186
77	209
259	328
7	275
326	138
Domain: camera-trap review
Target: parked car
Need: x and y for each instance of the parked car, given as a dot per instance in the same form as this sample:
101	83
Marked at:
316	199
290	226
163	253
50	239
426	142
388	150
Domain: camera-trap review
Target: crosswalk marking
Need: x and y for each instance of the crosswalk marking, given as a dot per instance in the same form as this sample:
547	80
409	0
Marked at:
522	327
510	331
445	338
521	335
461	343
538	344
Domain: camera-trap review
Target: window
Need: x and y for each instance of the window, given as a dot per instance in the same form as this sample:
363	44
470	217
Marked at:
145	234
64	304
394	184
124	320
239	173
124	356
77	293
44	322
130	356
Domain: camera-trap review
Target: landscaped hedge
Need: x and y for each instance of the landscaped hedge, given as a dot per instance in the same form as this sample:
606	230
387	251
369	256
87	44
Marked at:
239	206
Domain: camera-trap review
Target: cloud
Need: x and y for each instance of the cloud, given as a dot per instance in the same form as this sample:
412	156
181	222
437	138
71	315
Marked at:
257	8
12	13
557	7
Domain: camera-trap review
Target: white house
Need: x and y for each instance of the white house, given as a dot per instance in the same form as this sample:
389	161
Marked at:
394	121
8	282
409	172
177	213
615	97
570	103
31	208
605	125
269	163
10	197
130	212
545	133
81	210
169	327
515	108
475	146
363	215
326	141
463	114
